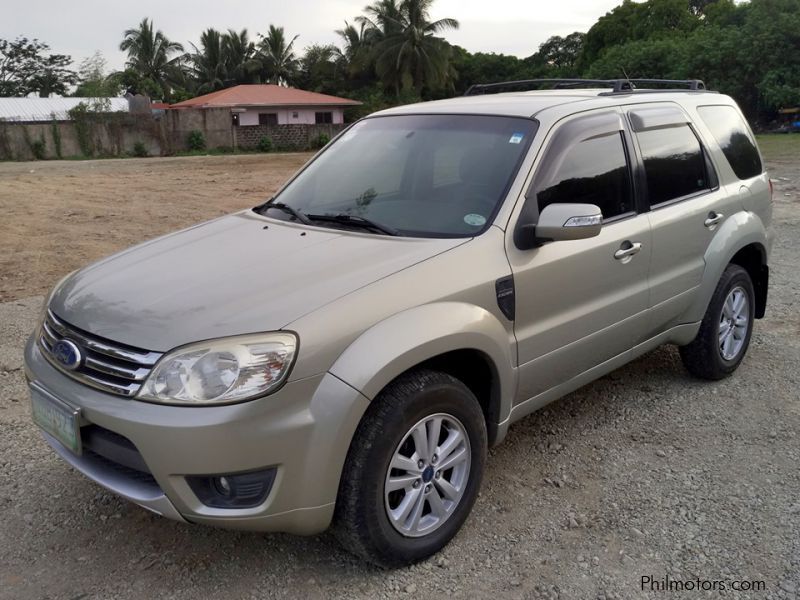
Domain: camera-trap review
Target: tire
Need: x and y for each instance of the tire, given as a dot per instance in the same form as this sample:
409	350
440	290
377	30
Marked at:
362	520
705	356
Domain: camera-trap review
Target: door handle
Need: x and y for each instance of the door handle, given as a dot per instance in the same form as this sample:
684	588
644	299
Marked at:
713	219
627	250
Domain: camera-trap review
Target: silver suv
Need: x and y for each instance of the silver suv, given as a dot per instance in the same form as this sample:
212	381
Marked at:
346	352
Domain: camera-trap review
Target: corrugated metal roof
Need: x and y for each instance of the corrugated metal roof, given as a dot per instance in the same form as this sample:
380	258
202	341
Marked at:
45	109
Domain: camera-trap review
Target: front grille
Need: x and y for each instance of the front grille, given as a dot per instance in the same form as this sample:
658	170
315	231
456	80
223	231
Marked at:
106	365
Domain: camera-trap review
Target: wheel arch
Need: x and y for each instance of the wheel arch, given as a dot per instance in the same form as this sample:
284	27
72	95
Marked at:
463	340
741	240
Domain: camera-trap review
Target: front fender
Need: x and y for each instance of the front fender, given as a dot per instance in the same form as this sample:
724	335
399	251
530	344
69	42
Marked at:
408	338
740	230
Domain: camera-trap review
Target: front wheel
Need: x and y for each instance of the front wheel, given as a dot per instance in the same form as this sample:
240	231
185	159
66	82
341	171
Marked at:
413	471
725	331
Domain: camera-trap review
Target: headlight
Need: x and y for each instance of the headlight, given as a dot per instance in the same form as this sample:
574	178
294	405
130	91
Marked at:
221	371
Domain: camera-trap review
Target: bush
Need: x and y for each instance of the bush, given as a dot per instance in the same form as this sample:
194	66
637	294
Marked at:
322	140
264	144
38	148
196	140
140	150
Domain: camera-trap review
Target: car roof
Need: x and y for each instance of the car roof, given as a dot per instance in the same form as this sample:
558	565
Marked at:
528	104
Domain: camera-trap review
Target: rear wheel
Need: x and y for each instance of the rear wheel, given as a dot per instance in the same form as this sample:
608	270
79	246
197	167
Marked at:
725	331
413	471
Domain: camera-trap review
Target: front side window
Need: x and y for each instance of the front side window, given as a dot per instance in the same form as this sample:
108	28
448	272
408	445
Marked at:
420	175
733	137
594	171
673	162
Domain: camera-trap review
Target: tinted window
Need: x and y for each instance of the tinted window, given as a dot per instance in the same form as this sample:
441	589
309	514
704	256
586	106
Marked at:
595	171
323	117
673	162
734	138
267	119
423	175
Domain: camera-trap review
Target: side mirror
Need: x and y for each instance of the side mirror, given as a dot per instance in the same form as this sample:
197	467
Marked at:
568	222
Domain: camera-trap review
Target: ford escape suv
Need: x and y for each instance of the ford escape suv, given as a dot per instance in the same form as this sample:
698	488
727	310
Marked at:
344	353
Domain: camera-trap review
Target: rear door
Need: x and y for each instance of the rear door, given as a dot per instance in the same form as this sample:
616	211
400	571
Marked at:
581	302
686	204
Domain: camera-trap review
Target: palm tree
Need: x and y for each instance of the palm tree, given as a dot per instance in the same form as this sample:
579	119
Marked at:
410	55
279	63
151	55
208	62
241	63
358	44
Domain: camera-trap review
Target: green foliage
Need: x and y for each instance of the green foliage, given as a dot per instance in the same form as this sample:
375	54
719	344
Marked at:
140	150
94	82
55	131
264	144
156	61
279	64
196	140
26	66
37	147
322	140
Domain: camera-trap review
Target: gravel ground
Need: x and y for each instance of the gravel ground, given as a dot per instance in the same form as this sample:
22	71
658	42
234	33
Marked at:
646	472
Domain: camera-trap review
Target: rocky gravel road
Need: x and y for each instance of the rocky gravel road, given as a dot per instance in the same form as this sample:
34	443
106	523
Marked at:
645	473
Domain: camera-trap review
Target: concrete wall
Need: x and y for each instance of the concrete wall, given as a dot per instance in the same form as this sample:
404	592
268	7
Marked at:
290	115
162	134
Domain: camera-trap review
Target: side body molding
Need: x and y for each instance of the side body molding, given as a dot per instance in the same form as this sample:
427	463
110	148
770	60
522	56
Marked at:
408	338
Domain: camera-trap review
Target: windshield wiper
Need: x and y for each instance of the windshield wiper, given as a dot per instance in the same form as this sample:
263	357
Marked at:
356	221
287	209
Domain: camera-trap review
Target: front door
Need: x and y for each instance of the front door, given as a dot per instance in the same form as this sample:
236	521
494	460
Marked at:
581	302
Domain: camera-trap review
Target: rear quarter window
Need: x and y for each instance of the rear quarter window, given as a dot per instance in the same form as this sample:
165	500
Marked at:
733	137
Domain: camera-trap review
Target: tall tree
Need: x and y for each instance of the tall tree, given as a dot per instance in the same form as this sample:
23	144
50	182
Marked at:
410	54
321	69
26	66
209	67
241	64
279	62
153	57
94	81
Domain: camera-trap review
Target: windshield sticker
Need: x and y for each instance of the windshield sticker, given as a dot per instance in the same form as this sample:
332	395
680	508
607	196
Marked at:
516	138
474	220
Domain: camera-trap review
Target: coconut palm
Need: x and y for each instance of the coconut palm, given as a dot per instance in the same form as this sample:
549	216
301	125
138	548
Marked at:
152	56
358	45
241	63
410	54
209	67
279	63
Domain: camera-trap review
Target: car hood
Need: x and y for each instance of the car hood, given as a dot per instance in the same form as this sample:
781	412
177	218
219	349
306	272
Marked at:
242	273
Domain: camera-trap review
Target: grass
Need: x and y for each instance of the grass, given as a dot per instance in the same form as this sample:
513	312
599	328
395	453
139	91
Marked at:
779	145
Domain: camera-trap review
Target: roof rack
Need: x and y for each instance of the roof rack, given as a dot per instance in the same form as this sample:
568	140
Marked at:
618	86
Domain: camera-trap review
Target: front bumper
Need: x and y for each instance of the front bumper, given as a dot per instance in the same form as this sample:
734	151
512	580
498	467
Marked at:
303	430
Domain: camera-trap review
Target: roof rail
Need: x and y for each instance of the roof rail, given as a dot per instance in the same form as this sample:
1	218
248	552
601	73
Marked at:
618	86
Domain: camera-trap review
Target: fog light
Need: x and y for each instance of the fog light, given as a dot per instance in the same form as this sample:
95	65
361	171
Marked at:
223	485
235	490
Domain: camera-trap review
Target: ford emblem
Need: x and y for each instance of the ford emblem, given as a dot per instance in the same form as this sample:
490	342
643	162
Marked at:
67	354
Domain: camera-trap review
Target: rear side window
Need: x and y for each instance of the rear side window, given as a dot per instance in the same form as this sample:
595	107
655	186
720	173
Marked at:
734	139
673	162
595	171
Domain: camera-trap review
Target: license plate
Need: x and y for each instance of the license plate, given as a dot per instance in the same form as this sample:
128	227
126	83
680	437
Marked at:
57	418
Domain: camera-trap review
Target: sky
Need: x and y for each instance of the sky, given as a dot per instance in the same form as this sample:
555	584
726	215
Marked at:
80	27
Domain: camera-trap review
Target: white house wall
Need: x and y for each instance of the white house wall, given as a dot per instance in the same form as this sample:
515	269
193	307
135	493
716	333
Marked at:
290	116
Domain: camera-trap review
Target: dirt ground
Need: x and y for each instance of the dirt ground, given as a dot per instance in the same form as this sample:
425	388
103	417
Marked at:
61	215
644	473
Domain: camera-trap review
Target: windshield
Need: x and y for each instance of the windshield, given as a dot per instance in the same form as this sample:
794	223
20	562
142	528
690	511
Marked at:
413	175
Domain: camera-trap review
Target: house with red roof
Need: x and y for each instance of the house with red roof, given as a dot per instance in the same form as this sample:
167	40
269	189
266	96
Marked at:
268	104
